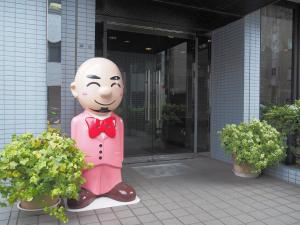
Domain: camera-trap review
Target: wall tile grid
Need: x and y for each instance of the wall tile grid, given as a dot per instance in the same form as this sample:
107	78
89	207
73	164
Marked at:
85	49
23	94
289	174
235	77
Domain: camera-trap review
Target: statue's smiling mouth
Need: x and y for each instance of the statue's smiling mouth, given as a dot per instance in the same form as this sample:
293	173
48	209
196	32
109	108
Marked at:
105	104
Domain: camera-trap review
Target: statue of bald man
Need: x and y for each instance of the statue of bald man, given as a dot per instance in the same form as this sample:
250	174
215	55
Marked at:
99	132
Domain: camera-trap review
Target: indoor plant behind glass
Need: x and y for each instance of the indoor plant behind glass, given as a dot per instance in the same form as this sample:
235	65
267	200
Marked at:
39	170
254	146
286	119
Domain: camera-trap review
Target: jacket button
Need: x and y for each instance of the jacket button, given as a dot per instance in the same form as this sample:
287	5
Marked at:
100	145
100	152
100	157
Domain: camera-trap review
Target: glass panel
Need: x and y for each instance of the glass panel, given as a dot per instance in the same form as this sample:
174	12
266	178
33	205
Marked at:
276	55
203	101
54	62
157	104
173	105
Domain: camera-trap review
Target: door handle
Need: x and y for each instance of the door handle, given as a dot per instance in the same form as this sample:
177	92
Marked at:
147	95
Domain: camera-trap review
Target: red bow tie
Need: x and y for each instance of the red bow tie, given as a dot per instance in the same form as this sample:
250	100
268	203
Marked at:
97	126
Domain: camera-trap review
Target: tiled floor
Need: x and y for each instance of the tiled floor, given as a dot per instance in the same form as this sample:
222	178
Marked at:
196	191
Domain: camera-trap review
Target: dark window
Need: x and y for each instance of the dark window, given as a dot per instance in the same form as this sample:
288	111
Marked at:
276	55
54	52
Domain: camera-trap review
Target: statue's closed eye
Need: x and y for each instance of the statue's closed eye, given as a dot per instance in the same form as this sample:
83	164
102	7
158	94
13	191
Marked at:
115	84
93	83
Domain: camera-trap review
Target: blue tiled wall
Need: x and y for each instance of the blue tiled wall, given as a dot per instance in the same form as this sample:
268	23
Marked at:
289	174
85	50
23	94
234	77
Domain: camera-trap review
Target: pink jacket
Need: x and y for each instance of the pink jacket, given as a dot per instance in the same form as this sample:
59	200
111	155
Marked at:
101	150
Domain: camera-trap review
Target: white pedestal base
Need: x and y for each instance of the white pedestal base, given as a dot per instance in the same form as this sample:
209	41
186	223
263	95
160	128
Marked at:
103	202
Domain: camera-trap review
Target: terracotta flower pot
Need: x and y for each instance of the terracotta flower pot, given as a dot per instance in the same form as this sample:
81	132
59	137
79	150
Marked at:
243	170
39	203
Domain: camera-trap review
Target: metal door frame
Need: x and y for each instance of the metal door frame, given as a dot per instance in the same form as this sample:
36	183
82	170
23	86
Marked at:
163	32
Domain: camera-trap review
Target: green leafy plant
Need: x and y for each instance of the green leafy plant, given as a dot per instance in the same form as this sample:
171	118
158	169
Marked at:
46	165
285	118
256	143
173	113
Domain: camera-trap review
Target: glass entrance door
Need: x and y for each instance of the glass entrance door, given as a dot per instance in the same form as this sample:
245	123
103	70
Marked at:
157	107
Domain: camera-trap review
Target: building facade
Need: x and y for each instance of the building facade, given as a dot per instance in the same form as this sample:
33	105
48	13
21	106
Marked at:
188	69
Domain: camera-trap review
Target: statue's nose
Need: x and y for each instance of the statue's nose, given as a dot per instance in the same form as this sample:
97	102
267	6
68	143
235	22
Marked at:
105	92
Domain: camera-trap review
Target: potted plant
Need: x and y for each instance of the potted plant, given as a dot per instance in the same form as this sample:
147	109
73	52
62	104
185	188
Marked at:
173	123
286	119
37	171
254	146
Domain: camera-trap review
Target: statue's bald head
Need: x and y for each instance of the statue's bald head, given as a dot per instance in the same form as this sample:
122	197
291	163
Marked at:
98	85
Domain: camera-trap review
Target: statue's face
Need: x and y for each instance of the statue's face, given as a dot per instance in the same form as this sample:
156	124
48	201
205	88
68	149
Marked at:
98	85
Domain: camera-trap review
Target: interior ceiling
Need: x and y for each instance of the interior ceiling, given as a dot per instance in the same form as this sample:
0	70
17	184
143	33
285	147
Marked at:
138	42
201	16
235	8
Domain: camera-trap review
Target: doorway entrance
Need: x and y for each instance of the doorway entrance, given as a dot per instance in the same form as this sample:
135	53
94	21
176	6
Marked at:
161	101
157	107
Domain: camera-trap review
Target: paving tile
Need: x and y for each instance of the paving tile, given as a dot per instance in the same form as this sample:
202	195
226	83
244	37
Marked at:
296	215
130	221
49	223
73	221
103	211
173	221
12	222
88	219
111	222
245	218
179	212
232	211
3	222
27	220
218	213
120	208
171	206
189	219
124	213
5	215
256	223
214	222
204	217
194	210
163	215
259	215
156	208
86	213
285	219
272	221
140	211
284	209
147	218
107	216
153	223
230	221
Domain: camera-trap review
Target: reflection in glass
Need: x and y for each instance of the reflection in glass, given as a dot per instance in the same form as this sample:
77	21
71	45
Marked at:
157	103
54	61
276	55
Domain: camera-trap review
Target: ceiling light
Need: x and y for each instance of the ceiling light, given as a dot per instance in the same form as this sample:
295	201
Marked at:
112	37
127	41
55	6
148	49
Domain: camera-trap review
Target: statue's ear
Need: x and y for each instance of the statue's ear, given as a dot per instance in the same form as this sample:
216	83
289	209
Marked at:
74	90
